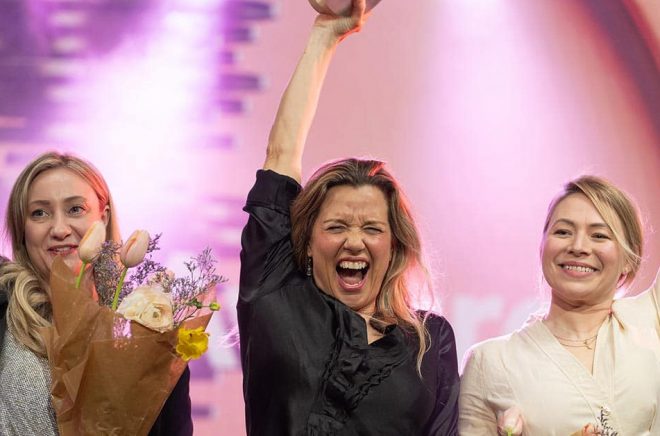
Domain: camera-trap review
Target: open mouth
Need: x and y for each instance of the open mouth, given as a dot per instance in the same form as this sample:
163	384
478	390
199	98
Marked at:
352	273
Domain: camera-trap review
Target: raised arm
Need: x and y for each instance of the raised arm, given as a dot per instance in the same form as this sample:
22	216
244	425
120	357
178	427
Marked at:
298	105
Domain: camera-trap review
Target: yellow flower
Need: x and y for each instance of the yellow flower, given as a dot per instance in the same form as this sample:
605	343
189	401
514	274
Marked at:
192	343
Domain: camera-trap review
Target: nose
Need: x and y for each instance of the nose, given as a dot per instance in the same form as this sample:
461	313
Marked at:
579	245
354	242
60	228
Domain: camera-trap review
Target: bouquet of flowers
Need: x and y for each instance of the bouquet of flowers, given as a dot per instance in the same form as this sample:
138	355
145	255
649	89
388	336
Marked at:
602	427
511	423
115	361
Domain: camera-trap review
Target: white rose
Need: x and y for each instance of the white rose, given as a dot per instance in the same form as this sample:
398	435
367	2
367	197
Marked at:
149	306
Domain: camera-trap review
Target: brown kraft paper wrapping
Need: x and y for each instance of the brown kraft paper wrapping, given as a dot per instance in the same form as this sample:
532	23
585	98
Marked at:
110	376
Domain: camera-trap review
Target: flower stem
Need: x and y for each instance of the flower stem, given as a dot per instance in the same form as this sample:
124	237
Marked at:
80	274
115	300
509	432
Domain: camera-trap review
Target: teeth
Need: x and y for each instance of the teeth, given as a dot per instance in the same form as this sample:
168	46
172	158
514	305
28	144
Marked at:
352	265
61	249
578	268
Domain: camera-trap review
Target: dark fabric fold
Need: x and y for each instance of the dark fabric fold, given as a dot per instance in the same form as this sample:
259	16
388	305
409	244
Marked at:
307	366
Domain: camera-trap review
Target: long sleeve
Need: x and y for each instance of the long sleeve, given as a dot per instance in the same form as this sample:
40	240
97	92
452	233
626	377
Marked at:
445	413
266	251
476	417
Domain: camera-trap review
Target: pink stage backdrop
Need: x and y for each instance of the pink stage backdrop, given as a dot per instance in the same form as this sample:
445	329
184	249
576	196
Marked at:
482	109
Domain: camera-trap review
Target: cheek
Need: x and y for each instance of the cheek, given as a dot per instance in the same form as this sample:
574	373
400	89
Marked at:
549	249
615	256
382	248
321	246
33	235
85	224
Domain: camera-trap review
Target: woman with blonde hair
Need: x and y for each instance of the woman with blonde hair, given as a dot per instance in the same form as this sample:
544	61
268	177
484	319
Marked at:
53	203
592	362
330	342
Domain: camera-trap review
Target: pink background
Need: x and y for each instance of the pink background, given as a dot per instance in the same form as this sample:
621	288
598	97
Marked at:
482	109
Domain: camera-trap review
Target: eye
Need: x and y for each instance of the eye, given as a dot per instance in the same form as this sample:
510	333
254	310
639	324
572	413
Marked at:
335	228
371	230
561	232
601	236
77	210
38	213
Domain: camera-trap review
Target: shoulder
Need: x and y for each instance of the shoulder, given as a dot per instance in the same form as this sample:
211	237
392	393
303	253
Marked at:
438	328
273	190
486	353
433	321
641	309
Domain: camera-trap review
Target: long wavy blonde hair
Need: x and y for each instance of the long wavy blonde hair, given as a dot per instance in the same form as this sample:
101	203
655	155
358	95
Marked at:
394	301
29	307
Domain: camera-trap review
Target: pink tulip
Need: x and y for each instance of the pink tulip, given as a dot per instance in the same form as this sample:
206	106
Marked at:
134	249
510	423
91	243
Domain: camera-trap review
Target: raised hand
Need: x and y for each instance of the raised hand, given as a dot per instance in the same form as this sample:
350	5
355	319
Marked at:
342	26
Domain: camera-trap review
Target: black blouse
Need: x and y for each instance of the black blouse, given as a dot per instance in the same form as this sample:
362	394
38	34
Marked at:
307	366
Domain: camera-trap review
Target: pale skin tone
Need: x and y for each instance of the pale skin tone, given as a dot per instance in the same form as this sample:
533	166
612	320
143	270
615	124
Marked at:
61	207
584	265
352	227
286	143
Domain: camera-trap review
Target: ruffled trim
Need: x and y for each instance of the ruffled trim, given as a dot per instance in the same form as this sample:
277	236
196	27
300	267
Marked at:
353	369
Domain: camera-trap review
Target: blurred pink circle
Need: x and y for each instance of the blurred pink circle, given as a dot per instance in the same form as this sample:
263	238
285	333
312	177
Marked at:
338	7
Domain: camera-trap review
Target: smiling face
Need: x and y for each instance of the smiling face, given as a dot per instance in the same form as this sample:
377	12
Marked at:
61	206
351	245
582	261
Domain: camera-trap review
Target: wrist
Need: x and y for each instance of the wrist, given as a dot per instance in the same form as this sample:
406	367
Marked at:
324	36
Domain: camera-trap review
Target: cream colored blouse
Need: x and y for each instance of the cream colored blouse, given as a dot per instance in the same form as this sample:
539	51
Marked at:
556	393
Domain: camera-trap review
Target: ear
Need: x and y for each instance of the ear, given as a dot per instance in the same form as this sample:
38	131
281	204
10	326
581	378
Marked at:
623	277
309	251
105	215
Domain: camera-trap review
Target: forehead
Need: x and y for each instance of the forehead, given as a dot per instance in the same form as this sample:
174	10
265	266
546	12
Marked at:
59	183
366	202
579	209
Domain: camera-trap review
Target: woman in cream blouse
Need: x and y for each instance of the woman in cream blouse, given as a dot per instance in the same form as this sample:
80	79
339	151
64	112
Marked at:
591	359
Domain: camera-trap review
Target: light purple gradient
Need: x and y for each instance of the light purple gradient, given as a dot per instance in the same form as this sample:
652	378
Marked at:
482	109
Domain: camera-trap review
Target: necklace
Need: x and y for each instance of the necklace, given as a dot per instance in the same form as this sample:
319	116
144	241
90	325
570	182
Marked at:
577	343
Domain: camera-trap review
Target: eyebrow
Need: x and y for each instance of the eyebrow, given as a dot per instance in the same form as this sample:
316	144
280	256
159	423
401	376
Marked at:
343	221
572	224
370	222
66	200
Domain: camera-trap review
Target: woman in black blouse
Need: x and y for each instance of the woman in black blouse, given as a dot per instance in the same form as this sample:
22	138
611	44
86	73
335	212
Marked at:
329	341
